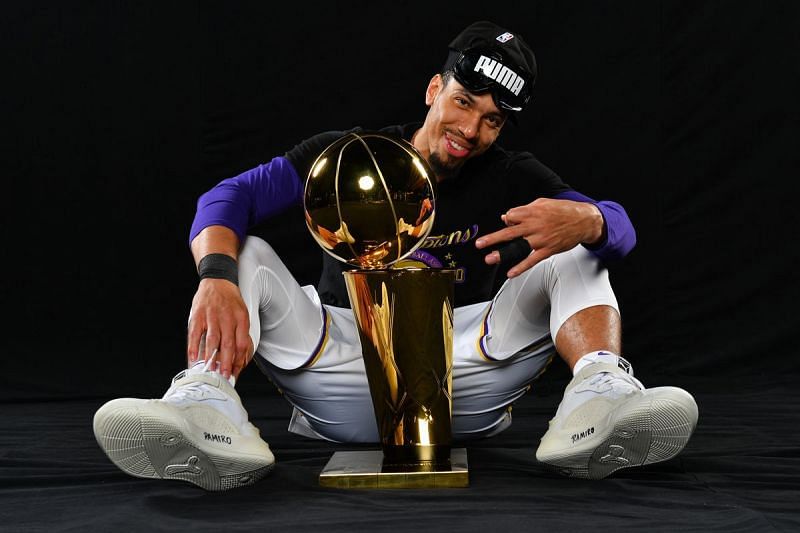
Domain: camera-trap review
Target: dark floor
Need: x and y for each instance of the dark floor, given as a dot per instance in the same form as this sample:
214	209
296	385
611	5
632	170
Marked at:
740	472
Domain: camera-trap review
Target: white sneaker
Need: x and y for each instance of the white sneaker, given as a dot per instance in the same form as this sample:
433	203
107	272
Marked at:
198	432
607	420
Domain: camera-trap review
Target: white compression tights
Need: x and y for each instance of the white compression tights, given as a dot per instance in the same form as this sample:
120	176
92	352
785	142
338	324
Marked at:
312	352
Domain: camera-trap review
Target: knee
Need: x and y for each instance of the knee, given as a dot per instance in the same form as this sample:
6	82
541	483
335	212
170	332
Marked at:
576	271
256	251
576	263
577	257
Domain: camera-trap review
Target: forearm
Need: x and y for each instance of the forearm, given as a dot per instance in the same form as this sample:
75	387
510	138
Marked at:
215	240
618	235
218	321
594	223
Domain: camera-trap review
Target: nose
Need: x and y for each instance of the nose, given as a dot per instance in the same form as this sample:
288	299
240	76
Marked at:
469	126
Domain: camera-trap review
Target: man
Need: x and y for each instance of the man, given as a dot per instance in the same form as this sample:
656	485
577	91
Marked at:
491	204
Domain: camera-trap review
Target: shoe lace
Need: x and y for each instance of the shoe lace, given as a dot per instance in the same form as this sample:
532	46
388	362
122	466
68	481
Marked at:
192	390
613	381
186	391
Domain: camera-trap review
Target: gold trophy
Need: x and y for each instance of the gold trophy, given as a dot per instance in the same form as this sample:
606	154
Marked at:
369	202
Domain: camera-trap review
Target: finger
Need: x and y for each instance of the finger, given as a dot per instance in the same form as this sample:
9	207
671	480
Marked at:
529	262
243	344
212	341
193	339
507	221
505	234
236	368
235	343
227	348
201	348
211	362
492	258
515	215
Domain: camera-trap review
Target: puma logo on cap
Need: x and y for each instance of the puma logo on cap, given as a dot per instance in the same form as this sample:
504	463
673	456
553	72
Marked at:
493	69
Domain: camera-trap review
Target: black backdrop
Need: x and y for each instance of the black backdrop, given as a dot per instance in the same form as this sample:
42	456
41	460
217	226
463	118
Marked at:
117	116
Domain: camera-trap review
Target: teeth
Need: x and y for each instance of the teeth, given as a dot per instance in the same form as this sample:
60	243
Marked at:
455	144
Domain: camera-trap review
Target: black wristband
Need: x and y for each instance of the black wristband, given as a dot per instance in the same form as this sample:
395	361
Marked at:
219	266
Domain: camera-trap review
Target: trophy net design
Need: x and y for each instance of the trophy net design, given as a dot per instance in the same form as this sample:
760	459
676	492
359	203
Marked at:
369	202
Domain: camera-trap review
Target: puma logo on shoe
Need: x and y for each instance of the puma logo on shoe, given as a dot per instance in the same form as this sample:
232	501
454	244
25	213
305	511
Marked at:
214	437
583	434
189	468
615	456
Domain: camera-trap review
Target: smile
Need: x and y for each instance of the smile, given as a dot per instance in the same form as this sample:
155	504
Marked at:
454	148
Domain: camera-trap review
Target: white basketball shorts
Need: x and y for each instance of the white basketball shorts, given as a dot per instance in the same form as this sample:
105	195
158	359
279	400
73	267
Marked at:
313	355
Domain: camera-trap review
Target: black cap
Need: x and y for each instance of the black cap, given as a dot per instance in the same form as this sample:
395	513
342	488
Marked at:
514	72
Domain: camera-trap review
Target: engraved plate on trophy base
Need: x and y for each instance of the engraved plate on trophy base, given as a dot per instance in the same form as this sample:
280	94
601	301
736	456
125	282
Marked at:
367	469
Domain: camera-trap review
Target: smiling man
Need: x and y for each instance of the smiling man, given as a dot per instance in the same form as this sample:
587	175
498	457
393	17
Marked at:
528	251
461	125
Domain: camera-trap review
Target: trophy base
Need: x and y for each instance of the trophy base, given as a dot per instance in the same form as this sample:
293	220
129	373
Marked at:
366	470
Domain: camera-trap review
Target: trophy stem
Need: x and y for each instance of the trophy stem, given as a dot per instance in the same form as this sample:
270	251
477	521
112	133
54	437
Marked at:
405	323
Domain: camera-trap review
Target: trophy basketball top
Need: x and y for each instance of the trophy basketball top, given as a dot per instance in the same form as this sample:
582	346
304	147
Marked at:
369	199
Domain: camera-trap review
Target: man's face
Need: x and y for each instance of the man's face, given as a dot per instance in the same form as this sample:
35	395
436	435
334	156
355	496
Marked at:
459	126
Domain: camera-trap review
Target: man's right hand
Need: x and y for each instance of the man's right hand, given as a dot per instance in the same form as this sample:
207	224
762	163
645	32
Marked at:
219	313
219	316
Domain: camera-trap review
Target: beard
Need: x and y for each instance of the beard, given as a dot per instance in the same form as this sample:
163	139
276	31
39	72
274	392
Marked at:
442	168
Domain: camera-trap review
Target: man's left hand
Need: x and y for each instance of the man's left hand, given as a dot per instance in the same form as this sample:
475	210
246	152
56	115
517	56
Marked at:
550	227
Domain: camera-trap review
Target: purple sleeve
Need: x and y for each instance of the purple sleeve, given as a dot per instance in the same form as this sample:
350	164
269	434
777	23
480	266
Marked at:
620	235
242	202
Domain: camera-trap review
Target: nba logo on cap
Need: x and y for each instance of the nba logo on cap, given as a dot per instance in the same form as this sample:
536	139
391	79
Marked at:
504	38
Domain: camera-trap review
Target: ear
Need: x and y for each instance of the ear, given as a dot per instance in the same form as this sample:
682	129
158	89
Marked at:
434	88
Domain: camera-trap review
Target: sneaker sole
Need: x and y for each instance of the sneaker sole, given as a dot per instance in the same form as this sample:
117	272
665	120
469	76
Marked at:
147	441
649	431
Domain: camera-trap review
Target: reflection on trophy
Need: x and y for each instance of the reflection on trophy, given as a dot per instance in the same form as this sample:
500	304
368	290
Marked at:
369	202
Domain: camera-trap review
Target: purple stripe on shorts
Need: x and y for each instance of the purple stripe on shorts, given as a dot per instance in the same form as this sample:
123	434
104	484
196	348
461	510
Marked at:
483	348
323	338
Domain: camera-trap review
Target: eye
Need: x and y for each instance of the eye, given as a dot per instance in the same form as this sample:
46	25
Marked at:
460	100
494	121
